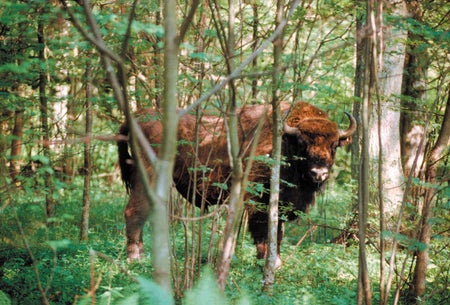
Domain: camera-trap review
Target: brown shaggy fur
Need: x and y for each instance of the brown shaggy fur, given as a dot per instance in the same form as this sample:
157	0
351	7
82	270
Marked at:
311	147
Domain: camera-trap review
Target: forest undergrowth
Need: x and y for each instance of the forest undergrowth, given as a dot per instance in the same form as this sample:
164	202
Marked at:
97	272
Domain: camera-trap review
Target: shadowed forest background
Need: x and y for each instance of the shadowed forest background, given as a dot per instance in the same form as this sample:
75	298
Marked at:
72	71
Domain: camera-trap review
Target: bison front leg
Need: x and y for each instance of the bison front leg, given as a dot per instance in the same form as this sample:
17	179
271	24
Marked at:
258	227
136	214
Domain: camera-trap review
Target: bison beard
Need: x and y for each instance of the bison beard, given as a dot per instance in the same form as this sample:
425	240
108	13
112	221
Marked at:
308	148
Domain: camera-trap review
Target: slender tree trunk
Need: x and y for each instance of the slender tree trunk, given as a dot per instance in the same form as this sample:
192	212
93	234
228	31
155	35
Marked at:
159	217
4	130
272	254
364	295
157	61
359	88
87	170
16	144
201	76
255	23
236	204
418	284
67	116
50	204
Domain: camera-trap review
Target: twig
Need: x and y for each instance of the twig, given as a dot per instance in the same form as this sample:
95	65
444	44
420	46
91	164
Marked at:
310	231
245	63
212	214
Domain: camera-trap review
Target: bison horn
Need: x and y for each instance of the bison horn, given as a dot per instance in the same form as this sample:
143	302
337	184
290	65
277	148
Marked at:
290	130
350	130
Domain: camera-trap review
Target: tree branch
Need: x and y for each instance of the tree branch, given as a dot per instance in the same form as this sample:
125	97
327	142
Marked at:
266	43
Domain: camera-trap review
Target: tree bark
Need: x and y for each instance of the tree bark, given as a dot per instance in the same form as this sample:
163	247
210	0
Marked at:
364	295
67	117
87	169
4	130
412	127
418	284
16	144
255	23
236	204
385	136
359	88
50	204
272	259
159	217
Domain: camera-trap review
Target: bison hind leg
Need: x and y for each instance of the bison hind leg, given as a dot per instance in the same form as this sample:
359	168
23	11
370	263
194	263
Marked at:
135	250
136	214
258	227
261	253
261	250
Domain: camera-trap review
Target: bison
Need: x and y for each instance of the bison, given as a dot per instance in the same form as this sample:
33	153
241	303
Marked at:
309	144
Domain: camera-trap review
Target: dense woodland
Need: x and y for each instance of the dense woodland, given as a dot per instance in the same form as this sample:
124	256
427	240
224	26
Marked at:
72	71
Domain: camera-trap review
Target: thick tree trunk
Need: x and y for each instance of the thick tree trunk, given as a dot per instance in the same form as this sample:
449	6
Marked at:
418	284
414	88
385	119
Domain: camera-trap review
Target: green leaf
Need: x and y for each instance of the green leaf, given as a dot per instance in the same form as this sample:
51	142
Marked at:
131	300
199	55
206	292
59	244
223	186
153	293
41	158
4	299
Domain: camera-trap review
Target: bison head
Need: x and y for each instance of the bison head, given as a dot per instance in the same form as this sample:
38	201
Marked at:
311	140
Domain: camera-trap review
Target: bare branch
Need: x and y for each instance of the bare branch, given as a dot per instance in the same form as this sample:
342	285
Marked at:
187	21
266	43
99	44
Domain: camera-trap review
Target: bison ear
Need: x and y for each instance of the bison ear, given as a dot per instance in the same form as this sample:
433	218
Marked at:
345	141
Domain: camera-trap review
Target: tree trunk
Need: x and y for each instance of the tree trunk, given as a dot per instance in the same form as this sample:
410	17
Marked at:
50	204
67	117
159	217
414	89
236	204
4	130
436	155
272	259
364	295
385	119
255	23
16	144
87	169
359	88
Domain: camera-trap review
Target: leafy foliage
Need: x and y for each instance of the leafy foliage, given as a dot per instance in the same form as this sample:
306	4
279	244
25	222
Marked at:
313	273
317	65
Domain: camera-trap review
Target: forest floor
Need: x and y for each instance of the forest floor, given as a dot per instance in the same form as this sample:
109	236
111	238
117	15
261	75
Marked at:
315	272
